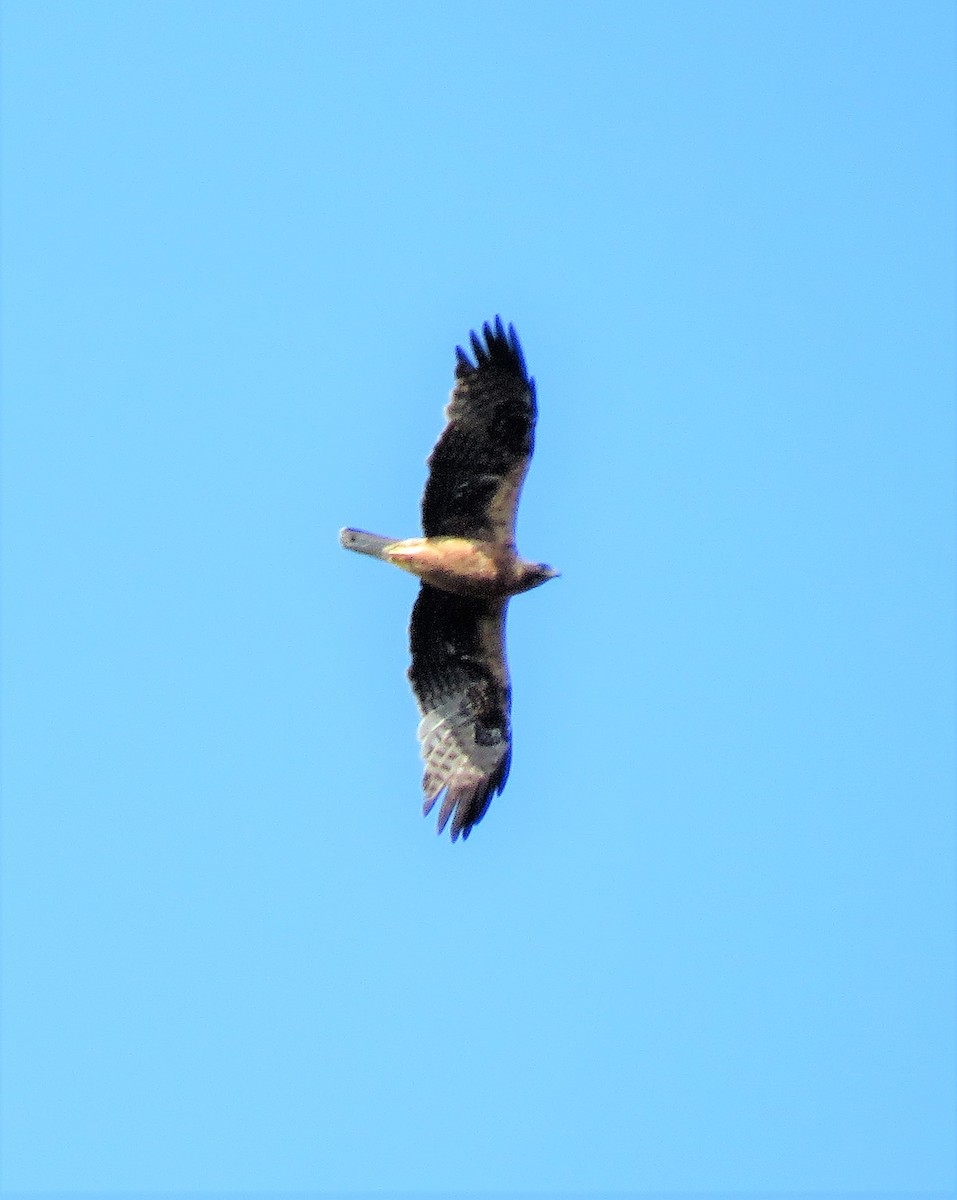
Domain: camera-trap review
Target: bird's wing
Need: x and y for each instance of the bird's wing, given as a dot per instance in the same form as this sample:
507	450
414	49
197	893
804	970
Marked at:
479	462
460	680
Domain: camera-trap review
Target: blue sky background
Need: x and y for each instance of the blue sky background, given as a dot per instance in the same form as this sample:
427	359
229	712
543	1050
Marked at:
704	942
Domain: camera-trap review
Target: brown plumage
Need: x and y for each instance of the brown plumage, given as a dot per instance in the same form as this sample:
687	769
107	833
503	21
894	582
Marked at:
468	567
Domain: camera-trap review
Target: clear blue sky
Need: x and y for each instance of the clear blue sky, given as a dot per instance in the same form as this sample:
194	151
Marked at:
705	940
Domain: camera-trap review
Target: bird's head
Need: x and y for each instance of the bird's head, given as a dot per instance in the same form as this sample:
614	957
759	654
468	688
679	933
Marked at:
535	574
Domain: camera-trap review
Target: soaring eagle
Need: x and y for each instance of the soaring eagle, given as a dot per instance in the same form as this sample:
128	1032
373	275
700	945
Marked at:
469	568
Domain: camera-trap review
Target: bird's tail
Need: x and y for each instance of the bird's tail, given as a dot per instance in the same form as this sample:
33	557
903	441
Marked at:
364	543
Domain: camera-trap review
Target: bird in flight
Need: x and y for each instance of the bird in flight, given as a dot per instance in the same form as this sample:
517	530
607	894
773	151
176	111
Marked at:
469	568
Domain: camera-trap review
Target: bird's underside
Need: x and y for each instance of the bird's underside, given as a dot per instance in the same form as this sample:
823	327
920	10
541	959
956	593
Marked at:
462	566
468	568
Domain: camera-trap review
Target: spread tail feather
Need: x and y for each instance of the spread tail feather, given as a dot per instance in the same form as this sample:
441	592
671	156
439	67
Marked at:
364	543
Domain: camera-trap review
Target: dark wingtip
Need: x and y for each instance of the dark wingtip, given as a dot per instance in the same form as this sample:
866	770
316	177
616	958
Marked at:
501	346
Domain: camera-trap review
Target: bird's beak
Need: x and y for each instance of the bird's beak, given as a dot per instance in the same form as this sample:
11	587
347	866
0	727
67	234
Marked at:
553	574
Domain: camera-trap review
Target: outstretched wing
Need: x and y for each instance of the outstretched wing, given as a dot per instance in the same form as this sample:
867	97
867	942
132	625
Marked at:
460	680
479	462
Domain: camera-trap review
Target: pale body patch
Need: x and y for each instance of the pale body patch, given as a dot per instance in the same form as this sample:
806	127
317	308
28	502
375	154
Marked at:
462	566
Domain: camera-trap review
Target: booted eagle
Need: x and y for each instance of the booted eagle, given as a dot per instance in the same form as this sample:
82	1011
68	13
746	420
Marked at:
469	568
